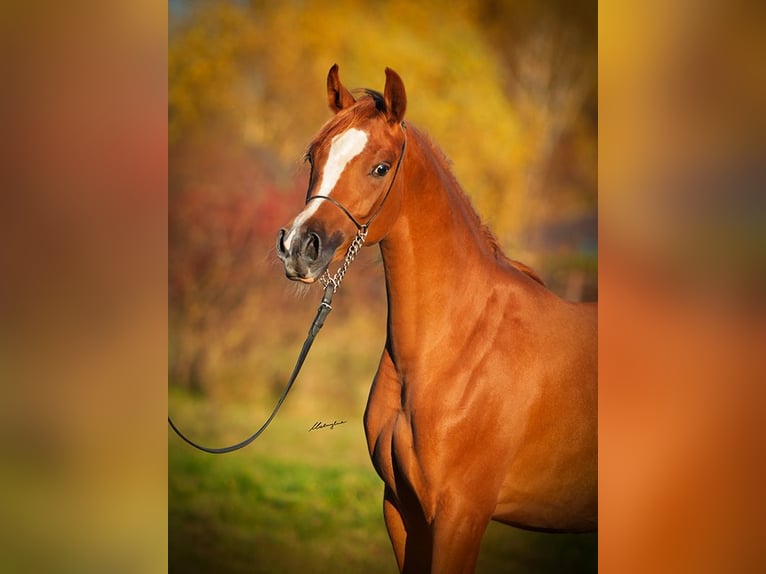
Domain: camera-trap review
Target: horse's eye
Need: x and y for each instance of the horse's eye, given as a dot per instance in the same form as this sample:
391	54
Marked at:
380	170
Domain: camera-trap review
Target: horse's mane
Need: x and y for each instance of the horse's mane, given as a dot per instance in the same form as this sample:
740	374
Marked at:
375	103
489	237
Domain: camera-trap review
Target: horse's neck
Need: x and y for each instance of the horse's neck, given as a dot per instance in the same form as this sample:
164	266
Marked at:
436	253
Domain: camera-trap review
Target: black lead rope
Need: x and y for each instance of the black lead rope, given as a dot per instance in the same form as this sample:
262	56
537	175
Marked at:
331	284
324	309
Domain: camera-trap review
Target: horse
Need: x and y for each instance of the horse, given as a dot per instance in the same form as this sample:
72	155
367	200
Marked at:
484	405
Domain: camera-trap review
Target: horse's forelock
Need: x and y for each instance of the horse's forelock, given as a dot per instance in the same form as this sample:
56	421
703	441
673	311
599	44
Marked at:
364	108
377	98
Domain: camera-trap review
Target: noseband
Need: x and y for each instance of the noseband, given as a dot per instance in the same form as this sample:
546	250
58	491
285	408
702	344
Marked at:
361	228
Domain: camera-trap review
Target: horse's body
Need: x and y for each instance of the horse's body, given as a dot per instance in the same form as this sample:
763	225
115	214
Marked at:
484	404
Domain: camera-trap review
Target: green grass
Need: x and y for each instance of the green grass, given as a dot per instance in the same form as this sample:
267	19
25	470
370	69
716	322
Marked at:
306	502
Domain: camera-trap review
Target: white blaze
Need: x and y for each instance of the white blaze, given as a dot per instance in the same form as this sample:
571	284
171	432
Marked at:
343	148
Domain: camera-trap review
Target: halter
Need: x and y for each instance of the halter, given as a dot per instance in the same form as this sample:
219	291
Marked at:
361	228
330	284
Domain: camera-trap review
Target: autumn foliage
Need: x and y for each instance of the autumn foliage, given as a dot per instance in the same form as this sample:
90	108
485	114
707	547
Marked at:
508	90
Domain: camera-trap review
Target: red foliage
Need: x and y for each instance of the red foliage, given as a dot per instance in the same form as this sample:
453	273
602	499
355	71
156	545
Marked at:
224	214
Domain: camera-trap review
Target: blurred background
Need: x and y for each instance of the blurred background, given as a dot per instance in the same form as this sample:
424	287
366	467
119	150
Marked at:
507	89
88	339
682	277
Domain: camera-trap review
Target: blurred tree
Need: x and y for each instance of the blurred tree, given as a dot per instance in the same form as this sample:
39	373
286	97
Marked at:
211	243
207	60
221	232
549	49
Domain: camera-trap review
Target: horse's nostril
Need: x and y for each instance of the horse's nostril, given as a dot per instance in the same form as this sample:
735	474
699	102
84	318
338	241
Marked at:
281	248
311	247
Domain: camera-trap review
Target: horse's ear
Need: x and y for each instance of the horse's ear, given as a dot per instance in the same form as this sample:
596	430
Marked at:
337	95
396	98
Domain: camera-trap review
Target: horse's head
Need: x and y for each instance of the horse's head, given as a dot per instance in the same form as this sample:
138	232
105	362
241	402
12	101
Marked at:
354	163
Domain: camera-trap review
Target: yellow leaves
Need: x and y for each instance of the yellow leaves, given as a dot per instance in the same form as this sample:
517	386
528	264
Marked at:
502	104
205	64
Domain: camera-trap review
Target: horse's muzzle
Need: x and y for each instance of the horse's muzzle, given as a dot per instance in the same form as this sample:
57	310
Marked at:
304	253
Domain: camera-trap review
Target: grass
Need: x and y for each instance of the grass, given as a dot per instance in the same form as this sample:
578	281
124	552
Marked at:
294	501
300	501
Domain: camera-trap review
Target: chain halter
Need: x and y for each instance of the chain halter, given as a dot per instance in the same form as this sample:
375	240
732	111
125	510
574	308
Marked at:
353	249
335	280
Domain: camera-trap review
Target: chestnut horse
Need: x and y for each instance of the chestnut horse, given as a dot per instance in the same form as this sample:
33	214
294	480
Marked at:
484	404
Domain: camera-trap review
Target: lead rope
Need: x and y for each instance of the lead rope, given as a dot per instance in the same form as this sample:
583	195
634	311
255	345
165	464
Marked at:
330	284
324	309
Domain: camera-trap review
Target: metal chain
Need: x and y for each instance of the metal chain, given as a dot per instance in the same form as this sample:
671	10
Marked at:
353	249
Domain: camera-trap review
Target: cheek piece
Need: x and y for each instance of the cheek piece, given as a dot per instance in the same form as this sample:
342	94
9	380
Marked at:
362	227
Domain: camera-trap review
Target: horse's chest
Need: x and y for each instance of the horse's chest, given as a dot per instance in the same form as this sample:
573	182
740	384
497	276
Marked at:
388	434
395	456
